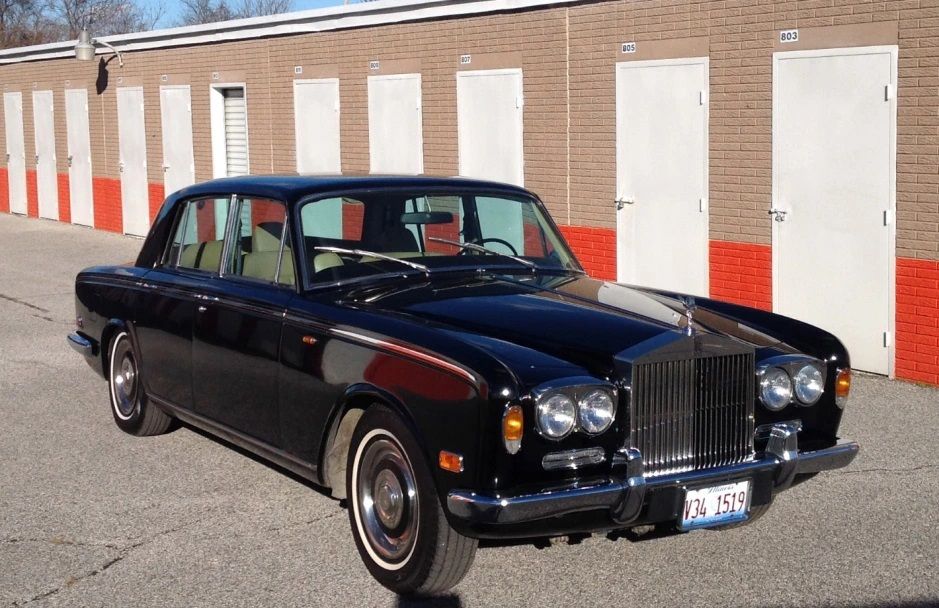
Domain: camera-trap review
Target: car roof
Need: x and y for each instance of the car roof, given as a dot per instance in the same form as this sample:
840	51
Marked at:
292	188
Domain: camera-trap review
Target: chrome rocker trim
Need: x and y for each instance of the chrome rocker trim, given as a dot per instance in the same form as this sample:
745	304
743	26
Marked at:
625	496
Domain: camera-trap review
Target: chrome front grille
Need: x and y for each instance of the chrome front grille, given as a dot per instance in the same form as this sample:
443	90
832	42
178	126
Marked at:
693	413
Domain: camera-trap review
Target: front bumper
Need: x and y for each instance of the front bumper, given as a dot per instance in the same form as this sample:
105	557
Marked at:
633	499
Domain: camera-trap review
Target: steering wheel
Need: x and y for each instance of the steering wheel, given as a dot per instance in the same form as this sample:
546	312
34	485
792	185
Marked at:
481	242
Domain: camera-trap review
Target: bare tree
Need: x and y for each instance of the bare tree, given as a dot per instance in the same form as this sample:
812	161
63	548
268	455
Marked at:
261	8
209	11
196	12
103	17
23	22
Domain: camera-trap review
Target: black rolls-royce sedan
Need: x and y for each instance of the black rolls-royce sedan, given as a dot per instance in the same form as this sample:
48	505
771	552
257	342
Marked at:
430	350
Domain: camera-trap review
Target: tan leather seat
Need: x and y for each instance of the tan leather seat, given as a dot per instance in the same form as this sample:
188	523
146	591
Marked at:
326	260
261	263
202	256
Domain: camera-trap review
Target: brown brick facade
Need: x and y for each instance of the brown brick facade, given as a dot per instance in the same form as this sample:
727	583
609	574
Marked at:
568	56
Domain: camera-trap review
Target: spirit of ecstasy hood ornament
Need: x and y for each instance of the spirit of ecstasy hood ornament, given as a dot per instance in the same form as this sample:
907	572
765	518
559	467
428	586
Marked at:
690	307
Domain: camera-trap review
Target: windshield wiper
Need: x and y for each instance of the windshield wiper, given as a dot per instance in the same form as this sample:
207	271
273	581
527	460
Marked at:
482	249
374	254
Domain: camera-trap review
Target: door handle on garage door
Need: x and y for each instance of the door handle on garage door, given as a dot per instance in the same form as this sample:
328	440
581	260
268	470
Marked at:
623	201
779	215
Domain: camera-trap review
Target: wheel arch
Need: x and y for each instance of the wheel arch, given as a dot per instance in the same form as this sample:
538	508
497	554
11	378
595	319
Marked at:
338	434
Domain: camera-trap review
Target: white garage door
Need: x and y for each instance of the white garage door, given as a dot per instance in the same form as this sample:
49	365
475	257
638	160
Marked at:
834	142
316	121
79	157
662	174
47	183
179	168
132	147
16	150
489	118
395	124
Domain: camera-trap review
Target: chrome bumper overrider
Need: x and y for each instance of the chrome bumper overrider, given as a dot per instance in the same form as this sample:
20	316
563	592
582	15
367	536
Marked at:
81	344
624	496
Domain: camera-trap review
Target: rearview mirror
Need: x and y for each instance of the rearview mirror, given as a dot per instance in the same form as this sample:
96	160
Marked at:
427	217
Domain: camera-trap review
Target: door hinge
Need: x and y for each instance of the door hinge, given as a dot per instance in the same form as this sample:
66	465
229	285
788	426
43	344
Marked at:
519	101
889	216
703	204
890	92
887	339
702	97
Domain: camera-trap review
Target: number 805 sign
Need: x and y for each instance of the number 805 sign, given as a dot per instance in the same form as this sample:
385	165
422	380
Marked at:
789	36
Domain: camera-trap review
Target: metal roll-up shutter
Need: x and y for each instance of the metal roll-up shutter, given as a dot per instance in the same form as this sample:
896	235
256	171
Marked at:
236	132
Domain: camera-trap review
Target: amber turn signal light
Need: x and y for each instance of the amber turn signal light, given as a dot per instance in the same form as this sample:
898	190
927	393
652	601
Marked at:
449	461
513	423
842	387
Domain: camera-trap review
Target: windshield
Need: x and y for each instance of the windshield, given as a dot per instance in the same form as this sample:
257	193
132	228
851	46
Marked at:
354	236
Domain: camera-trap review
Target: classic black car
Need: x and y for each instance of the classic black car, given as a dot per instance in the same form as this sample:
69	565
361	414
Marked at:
430	350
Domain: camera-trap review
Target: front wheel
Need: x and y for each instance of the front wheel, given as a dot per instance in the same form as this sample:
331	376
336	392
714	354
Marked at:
398	524
133	413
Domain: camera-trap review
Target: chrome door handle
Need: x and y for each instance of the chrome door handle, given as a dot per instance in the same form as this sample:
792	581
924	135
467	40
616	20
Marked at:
779	215
202	309
622	202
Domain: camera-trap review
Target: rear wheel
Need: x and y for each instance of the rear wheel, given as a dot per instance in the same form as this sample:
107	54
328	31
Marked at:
132	412
398	524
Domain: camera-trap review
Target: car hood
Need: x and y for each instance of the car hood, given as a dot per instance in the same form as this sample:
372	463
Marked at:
550	320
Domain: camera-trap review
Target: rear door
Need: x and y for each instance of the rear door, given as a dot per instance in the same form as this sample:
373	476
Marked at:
172	292
238	322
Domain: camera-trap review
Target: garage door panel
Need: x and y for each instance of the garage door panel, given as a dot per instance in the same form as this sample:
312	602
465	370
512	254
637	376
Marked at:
176	126
132	148
16	150
79	157
490	125
316	120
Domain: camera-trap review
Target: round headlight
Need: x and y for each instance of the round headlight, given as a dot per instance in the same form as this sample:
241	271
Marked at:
809	383
775	388
556	416
595	411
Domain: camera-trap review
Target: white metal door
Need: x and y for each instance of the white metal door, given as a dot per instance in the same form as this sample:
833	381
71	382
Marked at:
834	172
236	132
316	122
489	125
47	180
179	168
132	146
662	174
16	150
79	157
395	124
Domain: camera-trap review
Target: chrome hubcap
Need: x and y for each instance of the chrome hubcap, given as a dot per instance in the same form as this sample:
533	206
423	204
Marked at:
124	380
387	497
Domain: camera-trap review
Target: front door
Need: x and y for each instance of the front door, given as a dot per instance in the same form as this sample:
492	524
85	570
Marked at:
47	179
16	150
238	322
79	157
179	168
662	174
132	147
395	124
489	125
834	163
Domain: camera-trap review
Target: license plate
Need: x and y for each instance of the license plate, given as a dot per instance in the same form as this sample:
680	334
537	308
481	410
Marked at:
716	505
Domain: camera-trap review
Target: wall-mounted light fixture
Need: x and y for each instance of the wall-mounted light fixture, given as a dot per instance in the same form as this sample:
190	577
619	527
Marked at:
85	48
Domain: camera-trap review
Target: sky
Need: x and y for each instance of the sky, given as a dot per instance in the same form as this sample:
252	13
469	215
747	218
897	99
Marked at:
172	8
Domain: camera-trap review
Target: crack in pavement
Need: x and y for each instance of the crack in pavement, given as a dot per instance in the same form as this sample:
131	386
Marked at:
123	552
922	467
22	303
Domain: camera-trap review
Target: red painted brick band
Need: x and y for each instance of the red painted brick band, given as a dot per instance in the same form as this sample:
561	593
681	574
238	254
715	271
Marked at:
742	273
917	343
4	191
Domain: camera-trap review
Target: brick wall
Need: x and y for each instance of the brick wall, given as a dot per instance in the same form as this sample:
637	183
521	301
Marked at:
4	191
568	57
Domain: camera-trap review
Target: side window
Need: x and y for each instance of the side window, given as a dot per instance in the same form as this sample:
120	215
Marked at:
501	225
256	250
200	235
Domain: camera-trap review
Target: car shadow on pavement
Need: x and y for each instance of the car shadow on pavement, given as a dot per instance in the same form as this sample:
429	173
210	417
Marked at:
442	601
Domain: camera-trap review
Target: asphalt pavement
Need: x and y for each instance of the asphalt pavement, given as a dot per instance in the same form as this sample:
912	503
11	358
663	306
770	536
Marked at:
90	516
